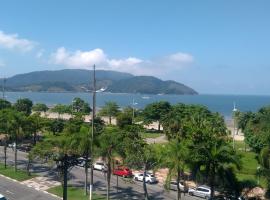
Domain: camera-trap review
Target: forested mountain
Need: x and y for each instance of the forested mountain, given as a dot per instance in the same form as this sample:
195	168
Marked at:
79	80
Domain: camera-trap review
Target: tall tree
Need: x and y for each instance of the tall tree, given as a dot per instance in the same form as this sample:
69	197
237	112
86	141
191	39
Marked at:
124	118
155	111
110	109
15	122
140	155
40	107
59	150
109	144
176	156
33	124
61	109
80	106
4	104
24	105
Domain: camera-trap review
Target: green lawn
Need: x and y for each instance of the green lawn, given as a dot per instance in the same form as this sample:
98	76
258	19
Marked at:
249	165
20	175
74	193
151	135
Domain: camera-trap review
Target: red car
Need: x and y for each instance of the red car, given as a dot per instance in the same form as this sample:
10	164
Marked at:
122	171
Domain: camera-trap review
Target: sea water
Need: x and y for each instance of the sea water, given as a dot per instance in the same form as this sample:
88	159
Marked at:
216	103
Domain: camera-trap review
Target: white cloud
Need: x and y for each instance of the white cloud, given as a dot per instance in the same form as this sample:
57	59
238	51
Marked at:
86	59
40	53
13	42
81	59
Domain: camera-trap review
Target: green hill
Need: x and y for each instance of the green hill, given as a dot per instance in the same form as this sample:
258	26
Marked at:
78	80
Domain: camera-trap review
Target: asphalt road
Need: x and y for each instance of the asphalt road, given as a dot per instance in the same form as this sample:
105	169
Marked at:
16	191
127	189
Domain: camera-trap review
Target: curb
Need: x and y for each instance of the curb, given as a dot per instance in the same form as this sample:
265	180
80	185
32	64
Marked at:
44	191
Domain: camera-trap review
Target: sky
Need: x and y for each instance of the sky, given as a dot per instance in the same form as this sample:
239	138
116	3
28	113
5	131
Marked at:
213	46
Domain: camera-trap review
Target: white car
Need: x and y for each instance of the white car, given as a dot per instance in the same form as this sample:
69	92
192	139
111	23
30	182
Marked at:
149	178
173	186
201	191
2	197
100	166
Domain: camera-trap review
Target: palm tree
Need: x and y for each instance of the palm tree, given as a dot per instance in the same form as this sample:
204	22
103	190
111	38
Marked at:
110	109
175	158
109	142
215	156
15	122
264	160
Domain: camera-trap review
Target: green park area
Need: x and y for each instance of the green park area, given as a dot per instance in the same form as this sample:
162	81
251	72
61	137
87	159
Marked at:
19	175
74	193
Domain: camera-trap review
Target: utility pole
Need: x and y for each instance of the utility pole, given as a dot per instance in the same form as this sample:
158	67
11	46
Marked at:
92	136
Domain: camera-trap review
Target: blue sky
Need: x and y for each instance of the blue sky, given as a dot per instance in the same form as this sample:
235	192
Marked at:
217	47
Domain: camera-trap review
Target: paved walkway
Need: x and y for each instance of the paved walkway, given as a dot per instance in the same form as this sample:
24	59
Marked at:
41	183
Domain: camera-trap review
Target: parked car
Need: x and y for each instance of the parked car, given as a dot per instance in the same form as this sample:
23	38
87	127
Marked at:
82	161
201	191
100	166
122	171
149	178
2	197
24	147
182	186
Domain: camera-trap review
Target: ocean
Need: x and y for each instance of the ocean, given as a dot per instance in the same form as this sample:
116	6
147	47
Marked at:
216	103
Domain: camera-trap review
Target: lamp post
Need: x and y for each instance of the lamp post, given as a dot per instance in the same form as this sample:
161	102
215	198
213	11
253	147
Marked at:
234	111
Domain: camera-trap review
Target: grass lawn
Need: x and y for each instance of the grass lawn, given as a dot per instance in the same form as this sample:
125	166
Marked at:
151	135
20	175
249	165
74	193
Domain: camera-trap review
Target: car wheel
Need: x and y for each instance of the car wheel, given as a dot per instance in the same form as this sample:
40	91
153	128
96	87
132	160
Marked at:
136	179
190	193
148	182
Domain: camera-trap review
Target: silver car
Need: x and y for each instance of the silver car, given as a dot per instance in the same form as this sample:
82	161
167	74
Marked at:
201	191
173	186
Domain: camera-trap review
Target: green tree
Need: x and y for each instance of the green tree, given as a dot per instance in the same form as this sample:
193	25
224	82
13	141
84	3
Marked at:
4	104
14	127
4	132
217	158
58	149
264	160
110	109
80	106
109	144
33	124
176	156
55	126
24	106
124	118
155	111
40	107
61	109
140	155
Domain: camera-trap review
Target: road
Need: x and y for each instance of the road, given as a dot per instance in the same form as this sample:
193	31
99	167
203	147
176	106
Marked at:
126	189
16	191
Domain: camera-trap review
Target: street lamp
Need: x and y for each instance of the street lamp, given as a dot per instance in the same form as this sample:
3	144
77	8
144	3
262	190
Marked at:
93	130
234	111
